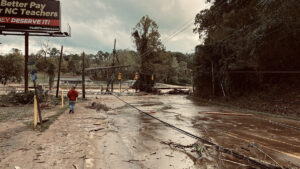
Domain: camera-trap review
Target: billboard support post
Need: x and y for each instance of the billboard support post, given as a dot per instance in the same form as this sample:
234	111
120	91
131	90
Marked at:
26	61
59	68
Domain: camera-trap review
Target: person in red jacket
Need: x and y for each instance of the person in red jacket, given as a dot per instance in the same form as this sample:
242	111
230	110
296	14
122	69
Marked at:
72	95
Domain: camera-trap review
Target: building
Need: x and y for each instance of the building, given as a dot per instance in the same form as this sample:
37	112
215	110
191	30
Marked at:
73	80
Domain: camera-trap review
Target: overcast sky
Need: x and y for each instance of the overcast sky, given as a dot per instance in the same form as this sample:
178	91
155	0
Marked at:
95	24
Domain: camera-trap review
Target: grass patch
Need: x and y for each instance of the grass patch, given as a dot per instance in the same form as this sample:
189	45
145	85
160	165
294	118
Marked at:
16	112
50	120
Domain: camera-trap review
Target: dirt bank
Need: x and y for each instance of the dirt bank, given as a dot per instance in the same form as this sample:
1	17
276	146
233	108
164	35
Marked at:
283	102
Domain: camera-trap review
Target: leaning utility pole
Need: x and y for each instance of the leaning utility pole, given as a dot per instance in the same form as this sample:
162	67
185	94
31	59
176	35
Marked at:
59	68
83	76
113	68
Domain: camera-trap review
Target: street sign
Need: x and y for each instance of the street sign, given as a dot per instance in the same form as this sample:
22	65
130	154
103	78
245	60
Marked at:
33	77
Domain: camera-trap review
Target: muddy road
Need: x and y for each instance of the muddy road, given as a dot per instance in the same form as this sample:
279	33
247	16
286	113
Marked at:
124	138
276	141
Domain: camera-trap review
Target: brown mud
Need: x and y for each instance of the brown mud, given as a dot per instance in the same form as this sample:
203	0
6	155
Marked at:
123	138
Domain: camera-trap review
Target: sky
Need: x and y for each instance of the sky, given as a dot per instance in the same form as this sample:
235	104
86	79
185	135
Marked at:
96	23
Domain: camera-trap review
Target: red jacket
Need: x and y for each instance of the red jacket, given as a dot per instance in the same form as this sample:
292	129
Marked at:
72	94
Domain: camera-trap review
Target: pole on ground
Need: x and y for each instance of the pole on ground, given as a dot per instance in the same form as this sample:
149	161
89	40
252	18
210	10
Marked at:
83	76
59	68
38	103
26	62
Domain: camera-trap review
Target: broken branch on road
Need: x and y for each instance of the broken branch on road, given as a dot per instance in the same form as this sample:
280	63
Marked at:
94	130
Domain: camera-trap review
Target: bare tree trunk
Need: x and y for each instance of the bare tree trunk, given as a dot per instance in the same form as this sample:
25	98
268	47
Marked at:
213	79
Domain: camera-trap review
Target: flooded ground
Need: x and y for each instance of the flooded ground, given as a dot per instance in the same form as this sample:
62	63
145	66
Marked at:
124	138
249	135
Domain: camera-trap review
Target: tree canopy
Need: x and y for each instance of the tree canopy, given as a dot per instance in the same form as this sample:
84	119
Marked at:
257	35
11	67
146	38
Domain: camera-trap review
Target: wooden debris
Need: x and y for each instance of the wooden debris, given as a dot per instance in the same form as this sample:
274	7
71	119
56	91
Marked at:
94	130
130	161
233	162
44	121
169	155
75	167
226	114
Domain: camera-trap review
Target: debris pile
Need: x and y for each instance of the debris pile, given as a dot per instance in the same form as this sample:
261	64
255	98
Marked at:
180	92
98	107
18	98
207	155
201	154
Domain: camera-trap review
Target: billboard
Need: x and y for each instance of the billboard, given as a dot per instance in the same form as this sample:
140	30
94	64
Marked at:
30	15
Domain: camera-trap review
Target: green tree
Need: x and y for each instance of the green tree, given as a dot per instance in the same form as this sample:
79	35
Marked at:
146	38
74	64
127	57
258	35
11	67
51	70
54	53
41	64
101	57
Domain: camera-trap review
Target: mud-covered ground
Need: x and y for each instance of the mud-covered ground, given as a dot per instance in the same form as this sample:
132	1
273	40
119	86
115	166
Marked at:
124	138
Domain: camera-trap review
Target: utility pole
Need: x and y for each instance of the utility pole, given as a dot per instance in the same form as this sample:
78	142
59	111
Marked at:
59	68
113	64
26	62
83	76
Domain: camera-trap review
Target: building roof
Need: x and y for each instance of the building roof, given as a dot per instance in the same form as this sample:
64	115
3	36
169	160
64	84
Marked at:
73	78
